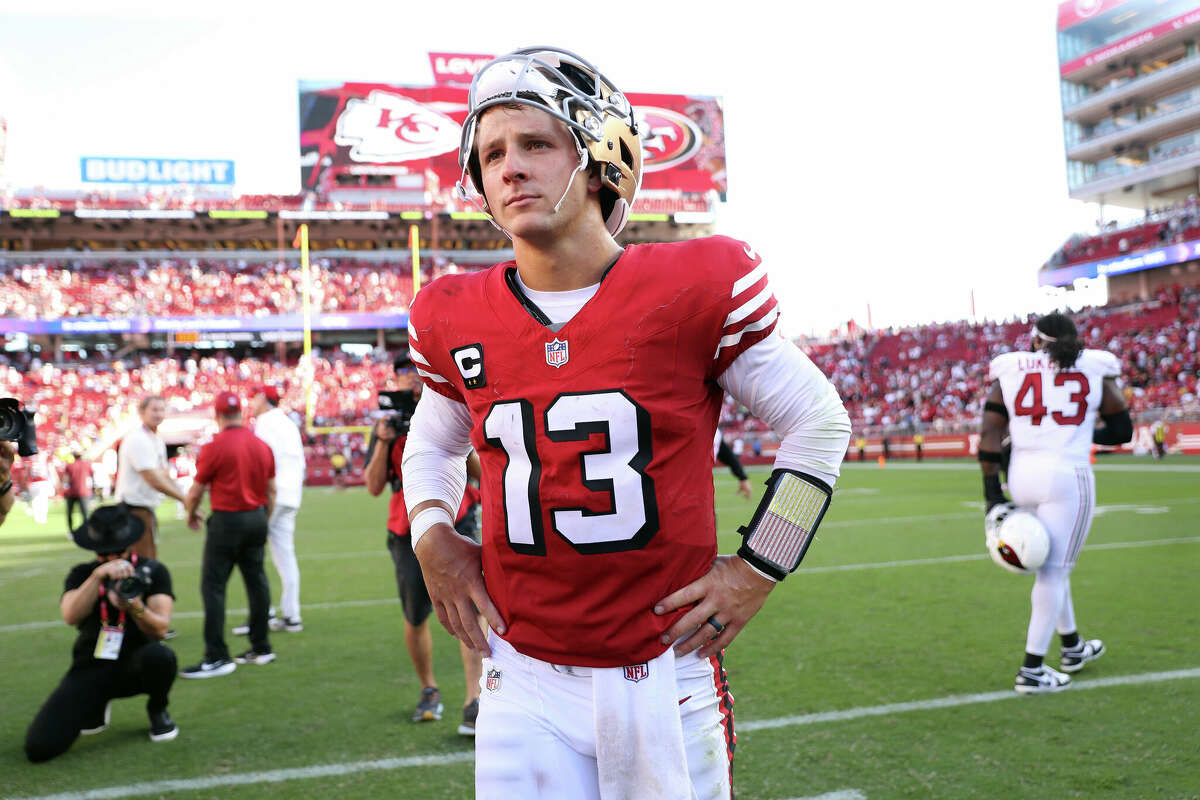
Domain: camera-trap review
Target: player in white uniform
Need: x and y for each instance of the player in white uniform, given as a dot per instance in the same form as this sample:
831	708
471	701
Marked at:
41	487
1047	400
183	470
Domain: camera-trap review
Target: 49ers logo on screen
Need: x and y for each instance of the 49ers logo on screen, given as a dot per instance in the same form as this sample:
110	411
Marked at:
668	137
388	127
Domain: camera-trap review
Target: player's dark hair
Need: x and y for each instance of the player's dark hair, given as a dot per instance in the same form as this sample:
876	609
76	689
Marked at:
1066	346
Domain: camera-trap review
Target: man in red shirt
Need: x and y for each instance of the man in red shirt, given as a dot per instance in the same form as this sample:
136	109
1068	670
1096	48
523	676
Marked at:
77	478
239	469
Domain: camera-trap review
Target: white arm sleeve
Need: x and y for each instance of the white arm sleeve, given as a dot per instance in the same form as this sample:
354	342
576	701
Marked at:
782	387
434	462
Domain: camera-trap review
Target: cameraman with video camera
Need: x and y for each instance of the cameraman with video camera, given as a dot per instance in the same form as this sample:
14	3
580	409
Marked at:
16	425
384	453
8	492
122	606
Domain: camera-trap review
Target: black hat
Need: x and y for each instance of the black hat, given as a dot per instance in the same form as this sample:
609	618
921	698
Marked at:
109	529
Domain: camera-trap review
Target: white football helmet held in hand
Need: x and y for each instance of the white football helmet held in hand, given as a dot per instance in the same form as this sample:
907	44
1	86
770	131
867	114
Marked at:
1016	540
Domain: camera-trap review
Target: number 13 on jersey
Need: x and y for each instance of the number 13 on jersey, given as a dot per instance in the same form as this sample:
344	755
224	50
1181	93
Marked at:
618	469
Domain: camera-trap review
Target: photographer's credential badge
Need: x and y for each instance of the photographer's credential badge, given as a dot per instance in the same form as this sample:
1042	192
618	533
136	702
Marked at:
108	644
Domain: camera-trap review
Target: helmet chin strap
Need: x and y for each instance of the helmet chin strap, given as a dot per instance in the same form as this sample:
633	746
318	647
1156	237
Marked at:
582	166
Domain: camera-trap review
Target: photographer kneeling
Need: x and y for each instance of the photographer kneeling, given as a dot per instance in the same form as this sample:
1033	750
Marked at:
122	606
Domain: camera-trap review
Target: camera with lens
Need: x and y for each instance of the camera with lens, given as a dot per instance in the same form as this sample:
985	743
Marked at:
16	425
401	404
133	586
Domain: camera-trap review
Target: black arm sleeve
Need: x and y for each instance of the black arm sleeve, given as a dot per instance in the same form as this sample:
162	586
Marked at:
729	458
1118	429
993	495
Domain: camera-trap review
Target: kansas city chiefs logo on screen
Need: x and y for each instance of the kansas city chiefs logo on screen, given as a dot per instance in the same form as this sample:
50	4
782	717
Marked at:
668	137
386	127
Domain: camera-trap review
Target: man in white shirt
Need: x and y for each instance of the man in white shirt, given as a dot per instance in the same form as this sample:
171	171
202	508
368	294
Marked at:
274	427
142	477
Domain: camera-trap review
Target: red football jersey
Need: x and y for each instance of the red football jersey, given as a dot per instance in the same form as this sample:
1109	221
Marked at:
596	441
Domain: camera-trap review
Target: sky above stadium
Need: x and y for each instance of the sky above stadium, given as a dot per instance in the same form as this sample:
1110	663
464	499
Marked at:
890	155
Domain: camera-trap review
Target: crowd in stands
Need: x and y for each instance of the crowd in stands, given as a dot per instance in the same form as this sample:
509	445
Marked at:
186	288
930	378
86	407
1159	227
933	378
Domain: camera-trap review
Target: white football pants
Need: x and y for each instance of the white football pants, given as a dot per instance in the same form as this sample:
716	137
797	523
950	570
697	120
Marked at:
1063	496
536	733
39	500
185	486
281	534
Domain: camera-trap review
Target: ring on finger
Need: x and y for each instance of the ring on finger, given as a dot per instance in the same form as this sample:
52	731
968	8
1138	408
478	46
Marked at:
718	627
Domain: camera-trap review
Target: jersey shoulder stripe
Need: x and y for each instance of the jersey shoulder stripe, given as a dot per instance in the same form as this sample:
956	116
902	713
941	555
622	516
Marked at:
743	291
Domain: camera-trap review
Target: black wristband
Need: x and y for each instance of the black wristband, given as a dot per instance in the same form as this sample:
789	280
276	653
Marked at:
990	457
777	537
751	558
5	487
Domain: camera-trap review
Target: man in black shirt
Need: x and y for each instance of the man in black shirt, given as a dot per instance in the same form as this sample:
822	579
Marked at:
119	652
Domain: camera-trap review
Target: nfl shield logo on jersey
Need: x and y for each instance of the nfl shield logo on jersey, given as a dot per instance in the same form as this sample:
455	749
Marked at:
556	353
493	681
637	672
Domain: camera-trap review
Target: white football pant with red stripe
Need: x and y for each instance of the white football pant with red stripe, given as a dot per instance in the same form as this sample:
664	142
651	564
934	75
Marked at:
1063	496
536	732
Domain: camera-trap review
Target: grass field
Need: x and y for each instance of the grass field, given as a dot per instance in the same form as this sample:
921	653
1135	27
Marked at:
882	669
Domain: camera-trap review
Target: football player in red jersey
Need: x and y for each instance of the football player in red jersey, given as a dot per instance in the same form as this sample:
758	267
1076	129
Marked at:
589	377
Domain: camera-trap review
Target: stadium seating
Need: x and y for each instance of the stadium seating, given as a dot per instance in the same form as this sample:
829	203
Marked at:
178	288
82	406
934	377
931	378
1160	227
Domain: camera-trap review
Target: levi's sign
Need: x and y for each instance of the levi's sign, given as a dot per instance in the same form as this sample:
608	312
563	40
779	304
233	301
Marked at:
456	68
97	169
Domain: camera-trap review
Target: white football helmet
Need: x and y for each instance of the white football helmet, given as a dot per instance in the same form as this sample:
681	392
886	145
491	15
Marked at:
570	89
1016	540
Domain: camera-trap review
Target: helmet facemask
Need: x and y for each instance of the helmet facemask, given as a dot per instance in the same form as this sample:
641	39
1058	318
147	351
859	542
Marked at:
574	92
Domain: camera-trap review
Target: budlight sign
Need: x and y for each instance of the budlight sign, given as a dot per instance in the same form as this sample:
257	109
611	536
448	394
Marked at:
160	171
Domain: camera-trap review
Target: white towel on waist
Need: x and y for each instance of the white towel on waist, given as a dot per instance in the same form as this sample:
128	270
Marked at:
639	736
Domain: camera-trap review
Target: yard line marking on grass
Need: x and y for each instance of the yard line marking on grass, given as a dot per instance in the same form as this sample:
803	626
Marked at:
956	700
34	626
326	770
914	562
971	465
270	776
